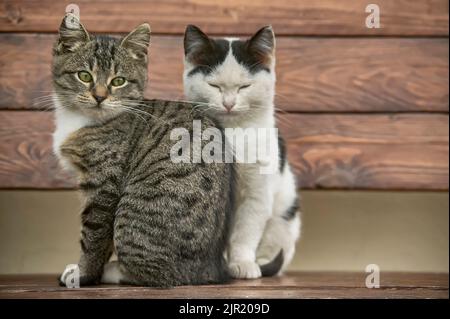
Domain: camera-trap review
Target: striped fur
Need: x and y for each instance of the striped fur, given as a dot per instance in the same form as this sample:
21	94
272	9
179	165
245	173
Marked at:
168	223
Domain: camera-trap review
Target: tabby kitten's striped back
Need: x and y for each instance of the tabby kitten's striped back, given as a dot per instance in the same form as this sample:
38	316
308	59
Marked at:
168	222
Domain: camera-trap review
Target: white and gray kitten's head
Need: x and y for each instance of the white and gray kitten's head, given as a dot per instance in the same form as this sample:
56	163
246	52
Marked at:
234	77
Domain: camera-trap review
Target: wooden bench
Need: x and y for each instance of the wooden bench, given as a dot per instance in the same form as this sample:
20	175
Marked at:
360	108
292	285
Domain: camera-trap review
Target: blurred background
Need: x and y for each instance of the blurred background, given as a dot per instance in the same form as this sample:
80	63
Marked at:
364	111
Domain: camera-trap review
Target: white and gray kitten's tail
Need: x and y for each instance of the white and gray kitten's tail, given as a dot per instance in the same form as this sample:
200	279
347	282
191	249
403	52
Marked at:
279	236
283	227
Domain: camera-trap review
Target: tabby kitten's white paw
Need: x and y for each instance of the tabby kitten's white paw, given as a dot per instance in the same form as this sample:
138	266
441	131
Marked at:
70	271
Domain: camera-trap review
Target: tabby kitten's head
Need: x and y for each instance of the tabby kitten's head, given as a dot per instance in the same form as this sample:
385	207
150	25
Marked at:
99	76
232	76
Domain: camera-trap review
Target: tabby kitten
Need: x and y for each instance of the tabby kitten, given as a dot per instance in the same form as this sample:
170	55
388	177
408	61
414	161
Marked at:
235	81
166	222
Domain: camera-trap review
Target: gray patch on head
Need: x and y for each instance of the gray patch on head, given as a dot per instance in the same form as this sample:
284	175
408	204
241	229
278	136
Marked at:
244	57
205	53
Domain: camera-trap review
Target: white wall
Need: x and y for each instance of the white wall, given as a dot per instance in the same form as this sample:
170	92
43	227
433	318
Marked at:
400	231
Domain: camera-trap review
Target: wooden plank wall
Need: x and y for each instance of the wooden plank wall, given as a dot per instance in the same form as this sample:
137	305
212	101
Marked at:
361	108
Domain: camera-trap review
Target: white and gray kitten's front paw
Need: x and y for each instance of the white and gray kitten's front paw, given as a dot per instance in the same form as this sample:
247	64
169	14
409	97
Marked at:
112	273
244	270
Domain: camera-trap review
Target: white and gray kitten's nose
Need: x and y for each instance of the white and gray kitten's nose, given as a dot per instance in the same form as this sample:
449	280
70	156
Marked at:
229	105
229	102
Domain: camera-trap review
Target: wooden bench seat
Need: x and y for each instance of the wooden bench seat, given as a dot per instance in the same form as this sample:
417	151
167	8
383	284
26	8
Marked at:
292	285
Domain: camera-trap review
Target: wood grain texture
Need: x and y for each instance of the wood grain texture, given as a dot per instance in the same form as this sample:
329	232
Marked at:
409	151
292	285
314	75
397	151
26	154
291	17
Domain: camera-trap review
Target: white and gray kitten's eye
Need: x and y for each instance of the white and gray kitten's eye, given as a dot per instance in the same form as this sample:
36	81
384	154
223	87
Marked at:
214	86
244	87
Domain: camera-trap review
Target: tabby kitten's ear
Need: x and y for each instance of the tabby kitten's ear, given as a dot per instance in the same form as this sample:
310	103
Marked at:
196	42
262	44
72	34
137	42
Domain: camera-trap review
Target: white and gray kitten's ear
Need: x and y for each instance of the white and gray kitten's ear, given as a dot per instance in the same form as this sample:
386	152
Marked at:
195	41
72	34
262	44
137	41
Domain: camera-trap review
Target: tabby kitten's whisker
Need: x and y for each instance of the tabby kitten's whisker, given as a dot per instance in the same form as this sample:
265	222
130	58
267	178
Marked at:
133	107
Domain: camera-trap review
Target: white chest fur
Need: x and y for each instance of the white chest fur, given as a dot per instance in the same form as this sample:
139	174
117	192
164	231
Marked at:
66	122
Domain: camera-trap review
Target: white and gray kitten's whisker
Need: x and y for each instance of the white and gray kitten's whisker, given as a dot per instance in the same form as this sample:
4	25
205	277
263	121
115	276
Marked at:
277	109
194	102
284	120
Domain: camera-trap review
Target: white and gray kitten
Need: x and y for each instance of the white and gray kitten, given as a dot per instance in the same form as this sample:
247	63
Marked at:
234	80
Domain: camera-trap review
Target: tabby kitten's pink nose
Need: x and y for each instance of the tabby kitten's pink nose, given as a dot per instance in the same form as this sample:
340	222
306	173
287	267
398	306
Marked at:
100	93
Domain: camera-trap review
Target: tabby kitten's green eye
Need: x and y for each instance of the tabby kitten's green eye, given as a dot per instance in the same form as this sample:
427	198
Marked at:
85	76
119	81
